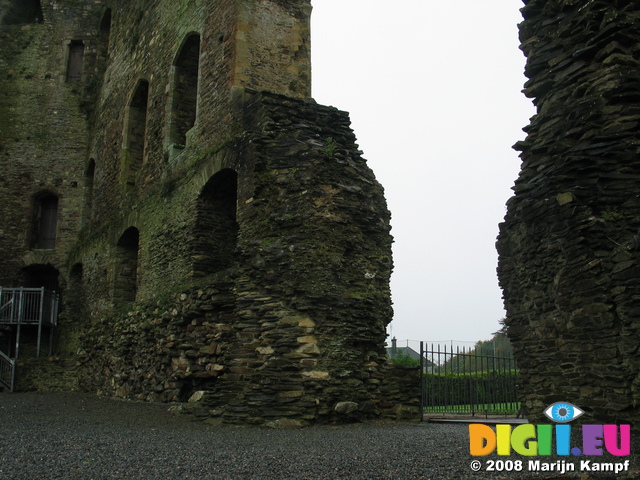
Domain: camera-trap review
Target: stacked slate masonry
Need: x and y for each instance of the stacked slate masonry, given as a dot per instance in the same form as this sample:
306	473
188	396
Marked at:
218	232
569	246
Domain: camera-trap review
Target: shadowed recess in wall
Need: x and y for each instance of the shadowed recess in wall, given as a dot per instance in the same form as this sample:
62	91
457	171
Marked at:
23	11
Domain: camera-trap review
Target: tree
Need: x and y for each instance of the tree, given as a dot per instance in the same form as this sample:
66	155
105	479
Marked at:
493	354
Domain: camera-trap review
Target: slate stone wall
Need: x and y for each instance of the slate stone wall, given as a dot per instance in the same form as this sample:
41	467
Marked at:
246	260
569	244
296	325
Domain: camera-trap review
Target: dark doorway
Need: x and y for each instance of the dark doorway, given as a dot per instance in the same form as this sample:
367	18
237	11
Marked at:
216	228
37	276
125	284
45	221
75	62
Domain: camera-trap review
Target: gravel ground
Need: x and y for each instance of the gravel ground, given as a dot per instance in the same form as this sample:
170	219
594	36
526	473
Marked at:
78	436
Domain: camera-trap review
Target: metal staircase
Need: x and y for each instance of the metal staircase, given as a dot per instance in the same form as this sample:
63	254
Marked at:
25	306
7	372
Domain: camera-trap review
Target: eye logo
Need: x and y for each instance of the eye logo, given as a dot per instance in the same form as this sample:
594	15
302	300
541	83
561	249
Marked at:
563	412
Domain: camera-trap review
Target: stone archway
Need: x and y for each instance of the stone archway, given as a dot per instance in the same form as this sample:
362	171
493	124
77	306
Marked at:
215	232
125	283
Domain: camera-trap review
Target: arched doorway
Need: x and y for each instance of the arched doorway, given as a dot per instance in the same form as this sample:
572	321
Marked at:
125	284
45	221
216	229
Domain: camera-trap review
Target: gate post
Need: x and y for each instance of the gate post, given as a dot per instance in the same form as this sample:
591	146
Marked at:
422	382
40	320
19	318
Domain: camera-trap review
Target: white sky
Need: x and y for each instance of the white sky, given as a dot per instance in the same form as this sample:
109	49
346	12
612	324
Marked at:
433	88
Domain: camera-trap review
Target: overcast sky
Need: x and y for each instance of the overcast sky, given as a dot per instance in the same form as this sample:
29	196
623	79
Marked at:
433	89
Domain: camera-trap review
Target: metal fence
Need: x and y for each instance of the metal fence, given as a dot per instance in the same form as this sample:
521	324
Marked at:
462	381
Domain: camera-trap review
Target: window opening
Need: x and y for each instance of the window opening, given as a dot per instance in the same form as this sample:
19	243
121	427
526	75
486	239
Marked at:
23	11
185	93
135	133
89	179
75	61
105	34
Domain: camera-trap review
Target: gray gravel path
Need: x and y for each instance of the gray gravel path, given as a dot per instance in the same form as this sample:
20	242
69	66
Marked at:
78	436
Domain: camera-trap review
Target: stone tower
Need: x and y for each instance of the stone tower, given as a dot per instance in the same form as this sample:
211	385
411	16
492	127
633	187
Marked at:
569	246
211	228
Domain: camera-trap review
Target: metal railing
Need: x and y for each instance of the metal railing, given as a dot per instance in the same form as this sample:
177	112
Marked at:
29	306
462	381
7	372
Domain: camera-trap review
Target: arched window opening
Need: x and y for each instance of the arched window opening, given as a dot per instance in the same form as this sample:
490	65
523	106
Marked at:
135	133
75	60
125	284
23	11
216	229
45	221
89	178
104	36
185	91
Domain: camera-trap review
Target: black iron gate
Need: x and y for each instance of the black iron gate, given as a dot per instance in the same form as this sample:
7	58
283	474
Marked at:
462	381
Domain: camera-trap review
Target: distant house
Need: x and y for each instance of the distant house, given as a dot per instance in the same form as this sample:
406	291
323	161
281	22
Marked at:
395	351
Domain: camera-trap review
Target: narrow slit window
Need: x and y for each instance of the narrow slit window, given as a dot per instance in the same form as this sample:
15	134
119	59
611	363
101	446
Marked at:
88	190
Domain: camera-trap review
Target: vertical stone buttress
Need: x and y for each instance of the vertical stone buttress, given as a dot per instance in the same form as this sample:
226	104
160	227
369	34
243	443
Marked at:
569	245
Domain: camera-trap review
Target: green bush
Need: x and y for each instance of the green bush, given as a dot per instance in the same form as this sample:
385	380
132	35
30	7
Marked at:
405	360
476	388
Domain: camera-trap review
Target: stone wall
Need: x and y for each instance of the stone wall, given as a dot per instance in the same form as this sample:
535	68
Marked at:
218	231
569	244
296	324
43	134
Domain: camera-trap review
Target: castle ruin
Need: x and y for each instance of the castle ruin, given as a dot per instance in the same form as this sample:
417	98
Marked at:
569	246
210	228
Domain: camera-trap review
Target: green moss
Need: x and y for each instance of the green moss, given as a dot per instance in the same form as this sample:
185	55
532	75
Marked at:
611	216
269	241
330	147
358	295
